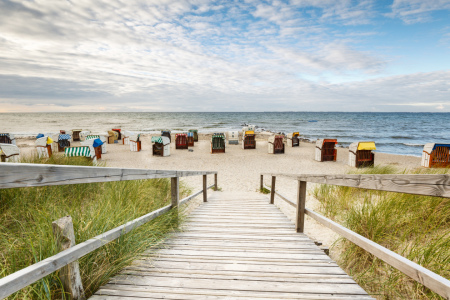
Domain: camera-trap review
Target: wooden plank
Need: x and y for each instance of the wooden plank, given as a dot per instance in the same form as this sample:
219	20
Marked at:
133	292
188	198
20	279
431	280
420	184
241	285
174	191
272	191
205	190
16	175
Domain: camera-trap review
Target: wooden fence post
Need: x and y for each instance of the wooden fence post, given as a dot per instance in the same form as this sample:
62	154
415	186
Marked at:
174	187
205	191
215	182
301	199
69	274
272	191
261	184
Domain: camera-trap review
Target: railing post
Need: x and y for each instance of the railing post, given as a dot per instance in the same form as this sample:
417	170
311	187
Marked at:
174	188
272	191
215	182
69	274
205	191
301	199
261	184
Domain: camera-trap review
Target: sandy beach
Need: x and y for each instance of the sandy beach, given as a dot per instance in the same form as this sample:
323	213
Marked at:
239	170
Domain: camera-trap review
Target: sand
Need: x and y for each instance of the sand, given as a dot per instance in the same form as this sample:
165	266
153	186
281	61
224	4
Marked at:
239	170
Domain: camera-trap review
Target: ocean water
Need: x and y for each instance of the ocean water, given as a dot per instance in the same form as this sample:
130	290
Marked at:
398	133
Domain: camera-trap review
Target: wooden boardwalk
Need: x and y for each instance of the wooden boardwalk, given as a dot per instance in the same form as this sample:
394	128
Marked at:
238	247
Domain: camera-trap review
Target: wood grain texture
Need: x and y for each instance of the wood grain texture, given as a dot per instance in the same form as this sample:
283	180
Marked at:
300	210
430	185
243	257
16	175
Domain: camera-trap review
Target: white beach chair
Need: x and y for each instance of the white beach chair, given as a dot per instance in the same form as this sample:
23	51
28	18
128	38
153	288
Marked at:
9	153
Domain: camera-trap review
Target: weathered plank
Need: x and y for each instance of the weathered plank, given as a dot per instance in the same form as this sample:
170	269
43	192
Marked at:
16	175
420	184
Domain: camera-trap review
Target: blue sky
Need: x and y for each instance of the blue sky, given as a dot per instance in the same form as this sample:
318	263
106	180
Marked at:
163	55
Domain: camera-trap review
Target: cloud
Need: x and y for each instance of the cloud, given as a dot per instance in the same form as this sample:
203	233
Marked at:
417	11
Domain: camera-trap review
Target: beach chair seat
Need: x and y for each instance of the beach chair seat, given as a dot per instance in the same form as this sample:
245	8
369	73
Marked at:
135	143
195	133
181	141
436	155
360	154
249	140
44	146
7	138
218	143
166	133
9	153
326	150
276	144
294	139
76	134
190	139
160	146
95	144
233	137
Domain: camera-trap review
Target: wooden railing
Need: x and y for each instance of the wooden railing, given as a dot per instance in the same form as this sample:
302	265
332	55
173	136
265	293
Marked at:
429	185
33	175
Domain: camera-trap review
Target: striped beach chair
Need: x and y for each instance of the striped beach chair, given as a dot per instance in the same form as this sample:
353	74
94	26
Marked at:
96	144
181	141
161	145
7	138
218	143
195	133
190	139
135	143
276	144
80	151
9	153
436	155
63	141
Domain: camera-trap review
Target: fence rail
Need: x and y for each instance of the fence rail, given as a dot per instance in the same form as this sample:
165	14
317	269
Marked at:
429	185
34	175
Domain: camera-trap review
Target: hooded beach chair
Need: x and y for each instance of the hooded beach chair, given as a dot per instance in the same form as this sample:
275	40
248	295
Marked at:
167	134
218	143
119	137
160	146
84	134
248	140
326	150
96	144
135	143
7	138
9	153
436	155
181	141
63	141
190	139
76	134
276	144
44	146
195	132
293	139
360	154
233	137
126	136
112	136
81	151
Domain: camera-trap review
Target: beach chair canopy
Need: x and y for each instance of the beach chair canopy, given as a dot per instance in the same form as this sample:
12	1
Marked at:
180	134
190	134
135	137
248	132
77	130
321	142
43	141
366	146
193	130
161	140
429	147
77	151
9	150
295	134
64	137
40	135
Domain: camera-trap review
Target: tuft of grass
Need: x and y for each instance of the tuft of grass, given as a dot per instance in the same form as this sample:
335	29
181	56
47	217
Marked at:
413	226
26	235
264	190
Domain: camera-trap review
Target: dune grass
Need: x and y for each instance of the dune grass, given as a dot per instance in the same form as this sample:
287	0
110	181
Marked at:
26	235
416	227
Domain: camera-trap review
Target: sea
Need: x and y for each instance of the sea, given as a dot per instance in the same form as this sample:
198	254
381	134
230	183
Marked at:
397	133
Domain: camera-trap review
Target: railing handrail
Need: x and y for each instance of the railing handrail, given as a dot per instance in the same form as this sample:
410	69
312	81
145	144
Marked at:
17	175
436	185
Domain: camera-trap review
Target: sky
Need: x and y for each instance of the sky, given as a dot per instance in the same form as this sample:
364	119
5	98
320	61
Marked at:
198	55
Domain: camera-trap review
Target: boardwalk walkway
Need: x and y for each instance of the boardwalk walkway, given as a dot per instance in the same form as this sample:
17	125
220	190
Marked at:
238	247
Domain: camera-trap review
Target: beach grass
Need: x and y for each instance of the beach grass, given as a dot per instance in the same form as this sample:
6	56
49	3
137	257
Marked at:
26	235
416	227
